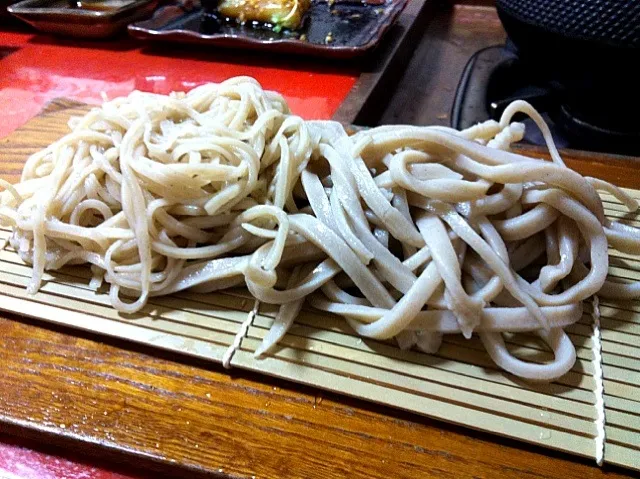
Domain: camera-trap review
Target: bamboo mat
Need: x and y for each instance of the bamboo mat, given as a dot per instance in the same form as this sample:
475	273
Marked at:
460	384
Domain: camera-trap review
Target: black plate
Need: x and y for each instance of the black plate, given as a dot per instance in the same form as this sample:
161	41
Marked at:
343	29
4	13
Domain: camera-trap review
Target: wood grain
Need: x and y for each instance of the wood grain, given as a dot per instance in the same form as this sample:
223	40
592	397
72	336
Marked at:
175	415
191	416
35	135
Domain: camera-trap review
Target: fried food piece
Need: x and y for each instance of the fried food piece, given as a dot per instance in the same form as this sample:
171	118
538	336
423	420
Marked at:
280	13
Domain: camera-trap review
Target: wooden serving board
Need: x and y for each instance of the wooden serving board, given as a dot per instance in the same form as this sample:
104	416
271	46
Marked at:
123	399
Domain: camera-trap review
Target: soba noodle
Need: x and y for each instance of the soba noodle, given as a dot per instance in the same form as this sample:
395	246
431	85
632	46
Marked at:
407	232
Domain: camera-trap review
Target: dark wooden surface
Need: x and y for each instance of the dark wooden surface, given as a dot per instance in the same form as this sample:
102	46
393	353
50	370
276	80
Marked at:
424	94
156	411
380	73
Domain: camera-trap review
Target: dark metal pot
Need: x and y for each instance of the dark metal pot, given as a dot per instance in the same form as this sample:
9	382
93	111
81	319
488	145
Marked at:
591	48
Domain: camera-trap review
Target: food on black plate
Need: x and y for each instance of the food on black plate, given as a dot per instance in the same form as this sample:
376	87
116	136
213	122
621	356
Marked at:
279	13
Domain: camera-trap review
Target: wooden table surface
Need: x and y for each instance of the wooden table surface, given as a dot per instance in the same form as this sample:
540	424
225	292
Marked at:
155	411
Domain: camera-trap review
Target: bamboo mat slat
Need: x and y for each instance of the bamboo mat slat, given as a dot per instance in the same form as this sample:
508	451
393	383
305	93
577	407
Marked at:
460	384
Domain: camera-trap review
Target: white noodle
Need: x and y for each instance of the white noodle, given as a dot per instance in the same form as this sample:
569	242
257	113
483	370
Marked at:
406	232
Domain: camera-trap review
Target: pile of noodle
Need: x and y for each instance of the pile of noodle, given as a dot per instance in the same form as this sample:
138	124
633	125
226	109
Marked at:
406	232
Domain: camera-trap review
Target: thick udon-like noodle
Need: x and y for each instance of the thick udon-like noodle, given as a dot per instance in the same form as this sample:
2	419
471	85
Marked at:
407	232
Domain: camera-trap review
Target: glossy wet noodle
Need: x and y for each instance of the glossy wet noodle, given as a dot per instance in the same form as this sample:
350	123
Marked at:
406	232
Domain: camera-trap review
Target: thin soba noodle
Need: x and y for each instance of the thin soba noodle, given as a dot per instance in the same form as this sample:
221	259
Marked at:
407	232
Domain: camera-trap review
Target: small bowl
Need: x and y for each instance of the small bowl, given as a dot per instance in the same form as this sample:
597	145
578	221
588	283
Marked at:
86	19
